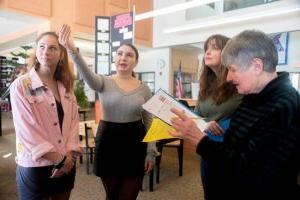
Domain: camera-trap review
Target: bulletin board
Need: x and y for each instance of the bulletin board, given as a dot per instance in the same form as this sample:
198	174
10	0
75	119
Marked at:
111	32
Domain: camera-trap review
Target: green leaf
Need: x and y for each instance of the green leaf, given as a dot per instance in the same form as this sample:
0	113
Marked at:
26	47
81	97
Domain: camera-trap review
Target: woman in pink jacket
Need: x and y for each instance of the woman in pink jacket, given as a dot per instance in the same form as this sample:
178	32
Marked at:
45	117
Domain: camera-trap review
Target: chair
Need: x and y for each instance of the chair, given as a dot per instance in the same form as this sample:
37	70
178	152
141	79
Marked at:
87	134
173	143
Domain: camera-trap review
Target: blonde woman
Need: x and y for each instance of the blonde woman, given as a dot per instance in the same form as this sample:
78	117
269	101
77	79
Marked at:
45	117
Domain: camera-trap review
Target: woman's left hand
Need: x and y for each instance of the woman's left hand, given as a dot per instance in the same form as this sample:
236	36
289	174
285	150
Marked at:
69	164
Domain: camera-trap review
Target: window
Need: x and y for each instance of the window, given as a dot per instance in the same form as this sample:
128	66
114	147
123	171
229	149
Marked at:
147	78
238	4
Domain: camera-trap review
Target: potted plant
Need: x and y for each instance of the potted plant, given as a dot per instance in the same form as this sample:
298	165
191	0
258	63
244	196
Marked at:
81	97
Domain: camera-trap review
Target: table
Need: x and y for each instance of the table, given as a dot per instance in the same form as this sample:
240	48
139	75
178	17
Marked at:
83	111
191	102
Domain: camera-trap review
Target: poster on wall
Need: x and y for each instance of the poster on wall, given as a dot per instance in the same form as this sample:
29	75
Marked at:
111	32
121	31
102	57
281	42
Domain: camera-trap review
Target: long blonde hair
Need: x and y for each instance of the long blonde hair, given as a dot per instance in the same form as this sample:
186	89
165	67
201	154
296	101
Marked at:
62	72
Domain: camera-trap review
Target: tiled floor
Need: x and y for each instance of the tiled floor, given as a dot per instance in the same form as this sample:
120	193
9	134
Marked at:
88	187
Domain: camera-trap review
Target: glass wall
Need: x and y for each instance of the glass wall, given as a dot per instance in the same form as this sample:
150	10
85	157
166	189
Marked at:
238	4
222	6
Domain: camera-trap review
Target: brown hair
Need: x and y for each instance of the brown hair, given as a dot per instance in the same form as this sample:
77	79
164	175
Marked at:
62	72
210	84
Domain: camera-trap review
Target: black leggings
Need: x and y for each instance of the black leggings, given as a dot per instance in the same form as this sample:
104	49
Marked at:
122	188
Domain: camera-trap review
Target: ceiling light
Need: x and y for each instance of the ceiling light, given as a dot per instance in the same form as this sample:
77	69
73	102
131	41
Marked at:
174	8
232	19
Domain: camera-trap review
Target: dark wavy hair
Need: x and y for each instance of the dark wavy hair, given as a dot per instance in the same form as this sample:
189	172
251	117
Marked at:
62	72
211	85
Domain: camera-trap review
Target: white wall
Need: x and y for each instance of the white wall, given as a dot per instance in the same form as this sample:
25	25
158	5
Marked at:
158	61
287	22
88	91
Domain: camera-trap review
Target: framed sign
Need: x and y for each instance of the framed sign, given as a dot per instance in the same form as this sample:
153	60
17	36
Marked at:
102	56
121	31
111	32
281	42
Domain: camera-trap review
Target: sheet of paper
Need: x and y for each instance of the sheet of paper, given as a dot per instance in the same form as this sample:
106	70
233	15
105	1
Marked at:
158	130
160	105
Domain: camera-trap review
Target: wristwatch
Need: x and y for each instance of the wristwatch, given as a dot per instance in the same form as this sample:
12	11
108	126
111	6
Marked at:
61	163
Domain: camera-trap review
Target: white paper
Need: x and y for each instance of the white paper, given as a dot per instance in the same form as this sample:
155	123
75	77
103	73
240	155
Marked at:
103	36
103	58
103	68
123	30
113	67
160	105
127	35
103	24
103	48
116	43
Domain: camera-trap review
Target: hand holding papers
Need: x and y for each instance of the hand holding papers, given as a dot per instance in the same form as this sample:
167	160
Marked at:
160	105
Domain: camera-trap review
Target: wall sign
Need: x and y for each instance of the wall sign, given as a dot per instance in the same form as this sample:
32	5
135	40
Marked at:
111	32
281	42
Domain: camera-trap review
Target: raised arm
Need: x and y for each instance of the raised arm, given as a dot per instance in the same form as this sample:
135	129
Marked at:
95	81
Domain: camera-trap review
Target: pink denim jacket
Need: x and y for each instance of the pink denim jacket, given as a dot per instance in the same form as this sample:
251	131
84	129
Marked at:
36	121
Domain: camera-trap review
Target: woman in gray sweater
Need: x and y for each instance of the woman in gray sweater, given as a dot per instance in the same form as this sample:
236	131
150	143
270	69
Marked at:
121	158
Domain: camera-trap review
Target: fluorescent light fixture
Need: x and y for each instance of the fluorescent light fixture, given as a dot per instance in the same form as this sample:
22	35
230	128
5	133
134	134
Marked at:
233	19
174	8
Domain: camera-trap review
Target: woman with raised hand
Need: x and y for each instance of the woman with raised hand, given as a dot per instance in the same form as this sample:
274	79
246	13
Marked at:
121	158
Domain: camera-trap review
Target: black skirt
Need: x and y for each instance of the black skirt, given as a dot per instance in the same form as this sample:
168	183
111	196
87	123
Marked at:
120	151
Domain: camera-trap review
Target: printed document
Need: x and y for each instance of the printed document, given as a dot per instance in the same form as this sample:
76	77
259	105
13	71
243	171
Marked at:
160	104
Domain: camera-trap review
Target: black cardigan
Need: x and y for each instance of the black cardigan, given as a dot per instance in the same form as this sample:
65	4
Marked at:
260	155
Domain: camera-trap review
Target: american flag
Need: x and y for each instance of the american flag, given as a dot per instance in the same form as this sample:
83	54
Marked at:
179	87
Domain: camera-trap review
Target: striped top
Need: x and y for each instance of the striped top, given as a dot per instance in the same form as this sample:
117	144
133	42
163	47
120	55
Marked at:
260	154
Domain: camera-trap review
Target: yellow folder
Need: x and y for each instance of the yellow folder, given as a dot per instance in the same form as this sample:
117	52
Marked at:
158	130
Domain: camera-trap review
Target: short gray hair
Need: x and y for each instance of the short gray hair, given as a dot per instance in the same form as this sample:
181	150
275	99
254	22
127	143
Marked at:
247	45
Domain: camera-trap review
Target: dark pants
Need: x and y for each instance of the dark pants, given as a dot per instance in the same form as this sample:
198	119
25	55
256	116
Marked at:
34	183
211	181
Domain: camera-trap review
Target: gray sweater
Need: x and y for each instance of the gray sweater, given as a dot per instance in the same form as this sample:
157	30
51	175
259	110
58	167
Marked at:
117	105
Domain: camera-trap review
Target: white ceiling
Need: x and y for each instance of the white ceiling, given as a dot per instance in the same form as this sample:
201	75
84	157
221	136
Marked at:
17	29
11	22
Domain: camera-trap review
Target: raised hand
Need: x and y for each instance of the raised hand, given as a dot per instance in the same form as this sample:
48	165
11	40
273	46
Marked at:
65	39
